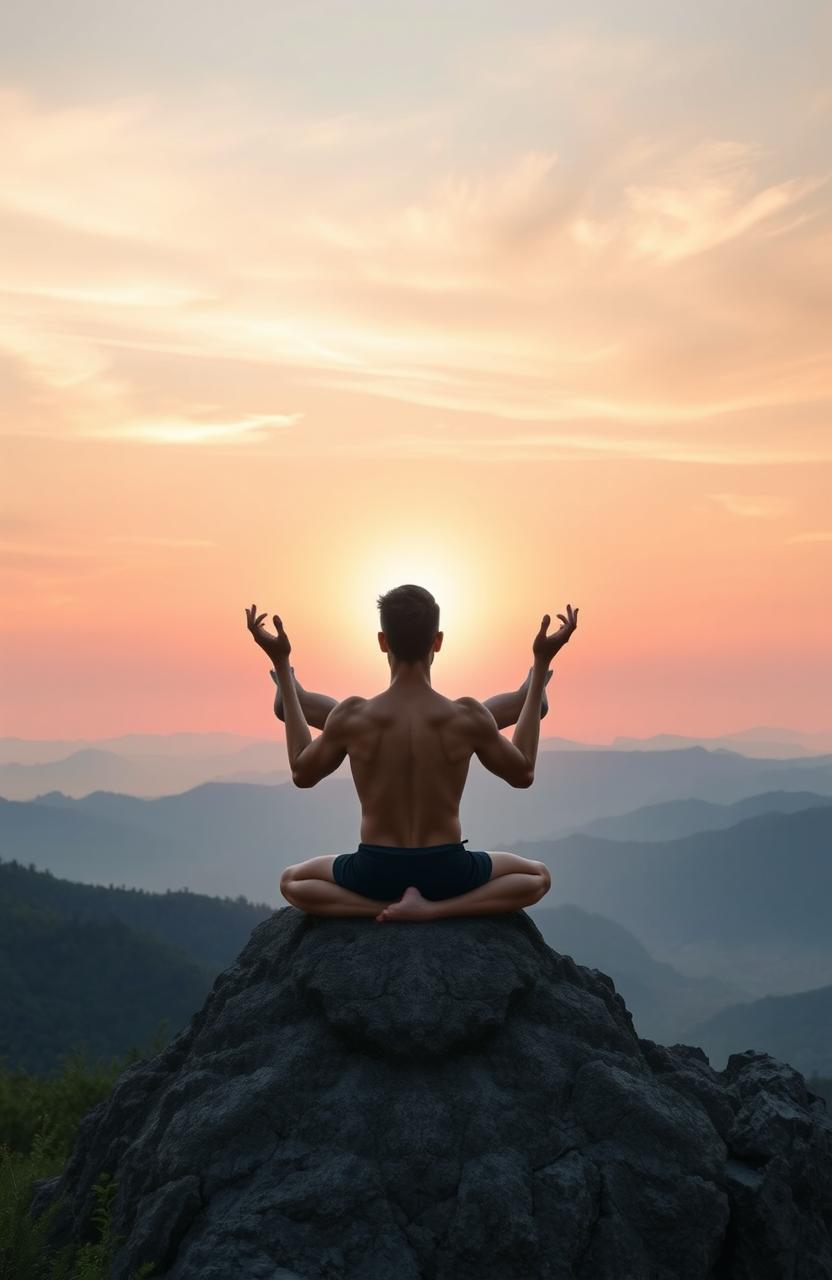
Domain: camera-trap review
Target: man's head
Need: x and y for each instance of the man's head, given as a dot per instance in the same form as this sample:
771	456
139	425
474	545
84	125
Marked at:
409	625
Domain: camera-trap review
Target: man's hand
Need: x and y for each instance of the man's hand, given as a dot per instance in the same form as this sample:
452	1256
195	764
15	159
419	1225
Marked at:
545	647
277	647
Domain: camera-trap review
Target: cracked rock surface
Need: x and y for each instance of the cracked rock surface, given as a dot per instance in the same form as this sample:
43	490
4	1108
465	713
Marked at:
445	1100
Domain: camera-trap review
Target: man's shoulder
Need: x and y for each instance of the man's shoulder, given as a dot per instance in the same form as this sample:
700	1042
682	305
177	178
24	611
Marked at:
470	704
475	714
477	717
344	720
349	704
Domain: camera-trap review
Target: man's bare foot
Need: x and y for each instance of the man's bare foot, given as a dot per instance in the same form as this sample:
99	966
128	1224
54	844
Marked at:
544	705
410	906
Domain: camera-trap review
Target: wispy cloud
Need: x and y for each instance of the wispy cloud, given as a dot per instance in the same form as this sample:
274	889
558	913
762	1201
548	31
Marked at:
711	196
823	535
565	446
44	563
155	241
192	432
146	539
754	506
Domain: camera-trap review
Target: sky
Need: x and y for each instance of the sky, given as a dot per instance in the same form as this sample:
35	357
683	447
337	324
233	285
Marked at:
527	304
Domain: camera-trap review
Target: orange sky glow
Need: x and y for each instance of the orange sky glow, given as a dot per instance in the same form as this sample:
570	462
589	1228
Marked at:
526	309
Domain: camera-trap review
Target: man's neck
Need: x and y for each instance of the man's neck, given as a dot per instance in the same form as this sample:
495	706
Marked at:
411	676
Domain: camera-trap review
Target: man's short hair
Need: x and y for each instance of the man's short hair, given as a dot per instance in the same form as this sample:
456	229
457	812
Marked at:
410	621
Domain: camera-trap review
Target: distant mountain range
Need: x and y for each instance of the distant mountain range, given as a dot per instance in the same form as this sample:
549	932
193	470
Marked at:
663	1001
227	839
753	898
576	787
165	764
160	773
760	740
677	818
796	1029
221	838
572	789
767	876
129	745
744	903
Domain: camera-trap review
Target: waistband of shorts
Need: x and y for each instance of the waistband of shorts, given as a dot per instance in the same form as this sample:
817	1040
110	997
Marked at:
383	850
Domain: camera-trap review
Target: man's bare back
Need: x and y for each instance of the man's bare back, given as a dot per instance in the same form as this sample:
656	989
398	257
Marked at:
409	751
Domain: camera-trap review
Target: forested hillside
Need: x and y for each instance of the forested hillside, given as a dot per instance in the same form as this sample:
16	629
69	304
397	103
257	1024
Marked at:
88	965
211	930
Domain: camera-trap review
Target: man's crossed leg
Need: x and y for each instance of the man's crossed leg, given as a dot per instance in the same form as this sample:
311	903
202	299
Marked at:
515	883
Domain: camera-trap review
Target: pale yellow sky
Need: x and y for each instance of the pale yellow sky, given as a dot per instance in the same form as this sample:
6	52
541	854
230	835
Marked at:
529	311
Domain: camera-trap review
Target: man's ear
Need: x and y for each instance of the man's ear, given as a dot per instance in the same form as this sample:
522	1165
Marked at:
437	644
382	642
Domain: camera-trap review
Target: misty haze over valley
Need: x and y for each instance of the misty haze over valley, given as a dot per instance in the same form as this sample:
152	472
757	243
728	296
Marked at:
697	876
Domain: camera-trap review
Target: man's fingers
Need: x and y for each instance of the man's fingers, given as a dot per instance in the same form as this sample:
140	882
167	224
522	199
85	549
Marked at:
255	622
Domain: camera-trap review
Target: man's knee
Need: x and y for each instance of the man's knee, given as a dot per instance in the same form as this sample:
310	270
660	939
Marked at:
286	878
545	879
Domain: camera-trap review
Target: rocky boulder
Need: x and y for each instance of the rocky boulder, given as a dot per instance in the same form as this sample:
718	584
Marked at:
445	1100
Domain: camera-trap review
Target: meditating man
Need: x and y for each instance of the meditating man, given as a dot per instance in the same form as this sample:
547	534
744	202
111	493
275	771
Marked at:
409	750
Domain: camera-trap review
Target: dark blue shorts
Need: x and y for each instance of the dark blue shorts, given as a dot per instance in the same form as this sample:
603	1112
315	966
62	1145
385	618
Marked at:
383	871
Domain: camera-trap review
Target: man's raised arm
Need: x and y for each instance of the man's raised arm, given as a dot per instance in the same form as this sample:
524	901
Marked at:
526	739
544	647
315	706
506	707
494	751
278	648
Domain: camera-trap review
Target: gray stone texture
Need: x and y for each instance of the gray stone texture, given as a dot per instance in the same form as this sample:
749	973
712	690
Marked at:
445	1100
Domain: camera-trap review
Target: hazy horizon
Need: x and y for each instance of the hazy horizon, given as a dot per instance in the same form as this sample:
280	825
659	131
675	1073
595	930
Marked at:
752	732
